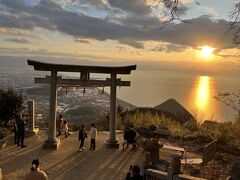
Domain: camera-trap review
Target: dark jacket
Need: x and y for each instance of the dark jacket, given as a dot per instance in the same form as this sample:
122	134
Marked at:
20	125
82	134
130	136
135	177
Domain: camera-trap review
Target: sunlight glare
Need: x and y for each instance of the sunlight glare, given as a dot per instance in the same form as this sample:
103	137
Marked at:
206	51
203	90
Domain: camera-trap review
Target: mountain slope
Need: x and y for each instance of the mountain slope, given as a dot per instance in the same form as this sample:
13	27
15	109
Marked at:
174	108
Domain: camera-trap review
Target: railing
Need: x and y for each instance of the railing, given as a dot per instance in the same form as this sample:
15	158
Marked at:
173	171
151	174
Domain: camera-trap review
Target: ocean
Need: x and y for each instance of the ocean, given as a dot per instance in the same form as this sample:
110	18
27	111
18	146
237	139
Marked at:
150	88
195	92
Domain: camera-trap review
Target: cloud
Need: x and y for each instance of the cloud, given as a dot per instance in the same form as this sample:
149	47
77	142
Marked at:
18	40
134	44
22	34
168	48
135	28
138	7
82	41
200	31
97	4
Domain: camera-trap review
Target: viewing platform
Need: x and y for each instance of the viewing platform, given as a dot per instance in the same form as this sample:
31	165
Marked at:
68	162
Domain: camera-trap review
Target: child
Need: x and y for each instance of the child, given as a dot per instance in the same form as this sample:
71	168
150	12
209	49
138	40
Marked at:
65	128
82	135
59	124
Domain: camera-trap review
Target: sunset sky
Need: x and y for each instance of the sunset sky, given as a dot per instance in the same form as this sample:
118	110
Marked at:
128	31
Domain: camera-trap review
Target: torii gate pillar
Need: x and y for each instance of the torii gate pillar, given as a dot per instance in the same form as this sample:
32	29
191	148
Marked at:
112	141
52	142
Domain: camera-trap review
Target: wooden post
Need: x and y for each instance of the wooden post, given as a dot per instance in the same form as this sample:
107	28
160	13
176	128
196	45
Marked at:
113	142
52	142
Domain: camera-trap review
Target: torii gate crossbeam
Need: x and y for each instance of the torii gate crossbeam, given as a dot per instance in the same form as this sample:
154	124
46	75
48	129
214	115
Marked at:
52	142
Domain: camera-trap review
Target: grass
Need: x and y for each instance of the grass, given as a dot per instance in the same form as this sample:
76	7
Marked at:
226	133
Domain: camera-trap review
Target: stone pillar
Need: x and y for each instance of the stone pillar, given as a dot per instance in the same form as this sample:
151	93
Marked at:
31	118
175	167
147	160
52	142
113	142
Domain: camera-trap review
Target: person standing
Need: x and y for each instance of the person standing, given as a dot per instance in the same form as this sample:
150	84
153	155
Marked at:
59	124
21	130
132	136
93	134
65	128
36	173
81	137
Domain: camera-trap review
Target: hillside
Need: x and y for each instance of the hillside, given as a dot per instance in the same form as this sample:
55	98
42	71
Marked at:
174	108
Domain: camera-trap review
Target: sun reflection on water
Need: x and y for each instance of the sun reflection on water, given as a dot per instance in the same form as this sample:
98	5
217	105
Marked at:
203	93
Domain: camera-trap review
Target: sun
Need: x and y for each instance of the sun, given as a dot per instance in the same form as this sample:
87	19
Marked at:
206	51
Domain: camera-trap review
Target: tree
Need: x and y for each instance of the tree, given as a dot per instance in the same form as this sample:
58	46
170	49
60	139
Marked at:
235	23
175	8
10	106
230	99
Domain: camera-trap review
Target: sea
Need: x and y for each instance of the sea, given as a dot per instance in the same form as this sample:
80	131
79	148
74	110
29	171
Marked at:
149	88
194	91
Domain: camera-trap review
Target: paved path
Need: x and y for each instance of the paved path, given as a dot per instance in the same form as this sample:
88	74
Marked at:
67	162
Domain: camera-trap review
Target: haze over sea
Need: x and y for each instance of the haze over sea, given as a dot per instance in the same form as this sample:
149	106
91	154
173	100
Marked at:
194	90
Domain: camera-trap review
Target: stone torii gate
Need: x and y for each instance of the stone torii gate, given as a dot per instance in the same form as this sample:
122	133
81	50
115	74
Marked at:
52	142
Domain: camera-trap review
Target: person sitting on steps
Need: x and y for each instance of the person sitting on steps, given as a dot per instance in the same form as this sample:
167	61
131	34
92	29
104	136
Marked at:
134	173
36	173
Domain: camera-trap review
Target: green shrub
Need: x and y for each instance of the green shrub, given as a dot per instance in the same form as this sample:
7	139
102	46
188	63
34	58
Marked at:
226	133
10	106
191	125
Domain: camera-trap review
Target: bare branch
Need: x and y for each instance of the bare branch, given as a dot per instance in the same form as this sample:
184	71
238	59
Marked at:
235	23
230	99
173	9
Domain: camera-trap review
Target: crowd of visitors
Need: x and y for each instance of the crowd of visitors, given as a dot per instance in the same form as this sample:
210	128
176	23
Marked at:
62	125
